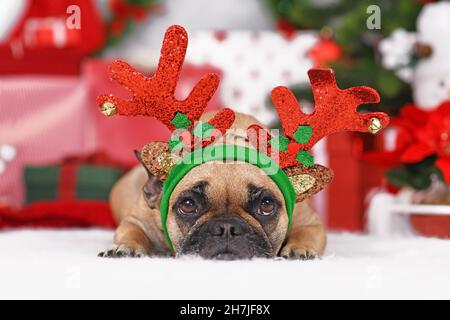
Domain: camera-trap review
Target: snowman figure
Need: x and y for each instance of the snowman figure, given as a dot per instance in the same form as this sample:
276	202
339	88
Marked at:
420	58
7	154
430	75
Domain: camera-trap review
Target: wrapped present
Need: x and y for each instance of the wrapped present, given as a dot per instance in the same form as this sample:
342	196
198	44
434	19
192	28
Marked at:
50	37
59	214
47	118
254	62
76	178
353	181
44	119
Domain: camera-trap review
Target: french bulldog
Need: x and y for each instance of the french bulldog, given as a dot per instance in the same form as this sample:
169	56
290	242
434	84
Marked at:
219	210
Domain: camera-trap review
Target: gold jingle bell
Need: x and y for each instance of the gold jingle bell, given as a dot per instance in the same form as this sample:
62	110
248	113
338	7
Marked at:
375	125
108	109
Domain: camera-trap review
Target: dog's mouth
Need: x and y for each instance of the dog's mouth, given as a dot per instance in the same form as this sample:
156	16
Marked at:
241	244
227	256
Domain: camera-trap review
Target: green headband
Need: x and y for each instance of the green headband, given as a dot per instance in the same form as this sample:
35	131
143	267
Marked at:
226	152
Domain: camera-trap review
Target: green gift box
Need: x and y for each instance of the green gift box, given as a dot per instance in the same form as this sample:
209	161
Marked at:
70	181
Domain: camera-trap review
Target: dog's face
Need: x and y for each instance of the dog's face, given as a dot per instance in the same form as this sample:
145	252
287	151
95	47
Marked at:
227	211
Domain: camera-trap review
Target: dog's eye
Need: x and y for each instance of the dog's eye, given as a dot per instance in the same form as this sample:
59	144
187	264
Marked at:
188	206
267	206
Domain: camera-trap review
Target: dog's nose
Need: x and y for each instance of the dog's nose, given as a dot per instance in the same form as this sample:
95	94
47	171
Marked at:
226	228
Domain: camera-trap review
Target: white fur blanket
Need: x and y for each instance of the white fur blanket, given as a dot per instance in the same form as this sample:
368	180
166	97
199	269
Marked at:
64	264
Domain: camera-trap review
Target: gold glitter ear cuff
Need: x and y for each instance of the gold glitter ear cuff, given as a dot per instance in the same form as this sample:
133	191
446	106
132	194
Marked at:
307	181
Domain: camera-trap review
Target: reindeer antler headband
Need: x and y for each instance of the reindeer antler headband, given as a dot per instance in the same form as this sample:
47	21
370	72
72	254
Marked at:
335	110
295	172
155	96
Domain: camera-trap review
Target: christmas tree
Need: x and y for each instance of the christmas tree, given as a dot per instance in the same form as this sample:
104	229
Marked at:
344	22
123	15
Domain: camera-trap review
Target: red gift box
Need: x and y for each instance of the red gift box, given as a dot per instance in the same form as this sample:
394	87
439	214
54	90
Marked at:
45	119
48	118
353	180
43	42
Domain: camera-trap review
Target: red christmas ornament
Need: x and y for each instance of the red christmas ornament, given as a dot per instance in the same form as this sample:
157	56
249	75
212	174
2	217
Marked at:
286	28
324	52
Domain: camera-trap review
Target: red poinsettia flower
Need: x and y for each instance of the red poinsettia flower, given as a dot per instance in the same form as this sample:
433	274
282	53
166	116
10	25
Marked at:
411	117
407	122
433	138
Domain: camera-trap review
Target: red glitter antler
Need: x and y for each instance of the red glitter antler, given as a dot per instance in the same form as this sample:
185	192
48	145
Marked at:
155	96
335	110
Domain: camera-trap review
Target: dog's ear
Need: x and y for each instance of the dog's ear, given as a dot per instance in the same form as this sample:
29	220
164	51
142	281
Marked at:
308	180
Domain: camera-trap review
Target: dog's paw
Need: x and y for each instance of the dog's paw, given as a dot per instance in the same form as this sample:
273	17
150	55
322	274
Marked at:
298	252
122	251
